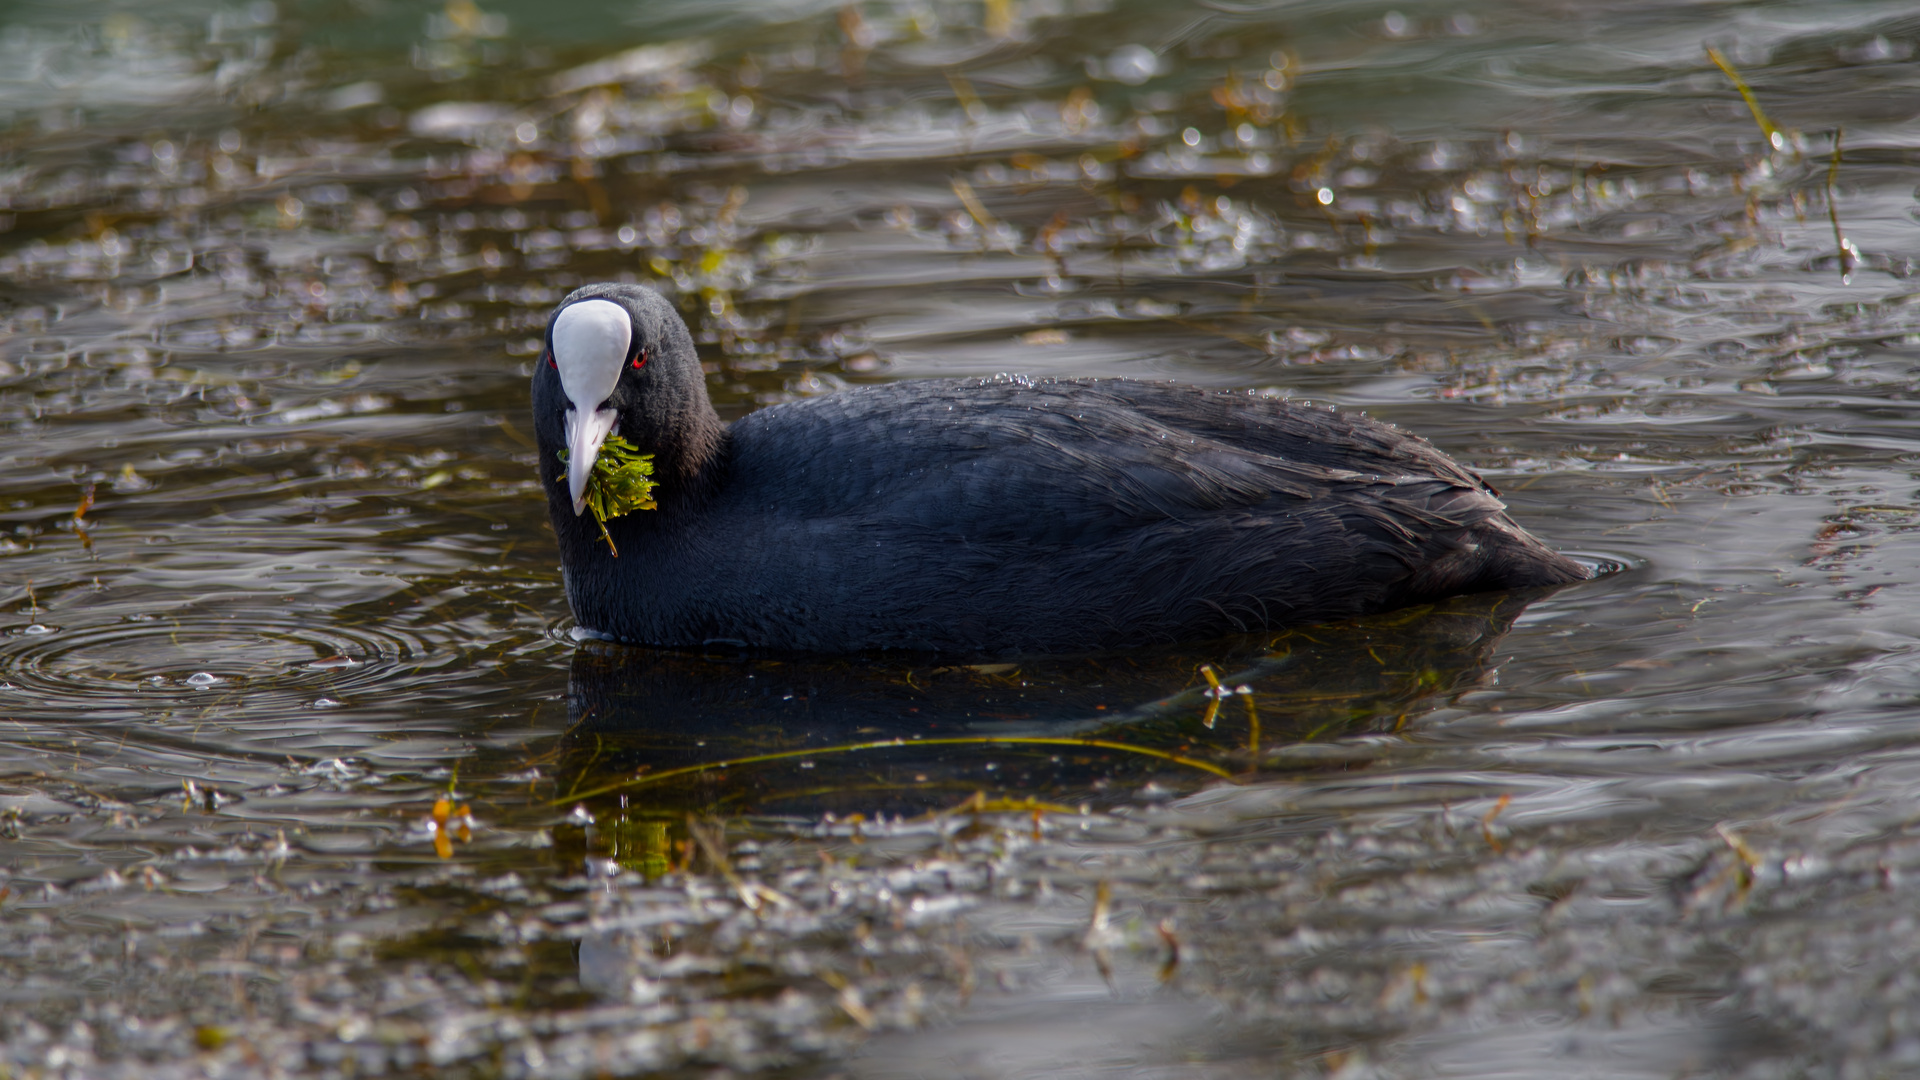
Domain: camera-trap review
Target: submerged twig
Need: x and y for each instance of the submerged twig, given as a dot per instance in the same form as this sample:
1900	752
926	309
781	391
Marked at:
1213	696
751	893
1486	822
894	744
1253	728
970	104
1171	939
1749	858
1775	138
1098	920
80	517
1849	256
1099	932
849	999
989	225
1216	693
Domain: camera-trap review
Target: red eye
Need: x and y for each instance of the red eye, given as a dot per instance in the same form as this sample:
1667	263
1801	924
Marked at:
550	362
639	359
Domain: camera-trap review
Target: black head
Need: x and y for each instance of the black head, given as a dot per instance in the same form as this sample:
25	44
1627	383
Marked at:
620	361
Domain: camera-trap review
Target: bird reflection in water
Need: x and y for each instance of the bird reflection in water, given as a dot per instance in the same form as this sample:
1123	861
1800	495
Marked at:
676	761
659	738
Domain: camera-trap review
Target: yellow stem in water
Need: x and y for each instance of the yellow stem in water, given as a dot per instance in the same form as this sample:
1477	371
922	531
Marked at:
1774	138
886	744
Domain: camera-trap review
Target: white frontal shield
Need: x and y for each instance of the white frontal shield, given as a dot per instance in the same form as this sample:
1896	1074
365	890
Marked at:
590	341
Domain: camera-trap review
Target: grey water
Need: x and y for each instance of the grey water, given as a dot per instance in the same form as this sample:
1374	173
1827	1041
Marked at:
303	772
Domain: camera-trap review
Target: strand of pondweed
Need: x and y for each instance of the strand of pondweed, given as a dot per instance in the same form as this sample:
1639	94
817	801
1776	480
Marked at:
890	744
1774	138
620	483
1847	250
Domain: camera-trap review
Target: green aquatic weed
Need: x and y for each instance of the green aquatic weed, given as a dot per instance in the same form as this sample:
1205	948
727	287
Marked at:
621	482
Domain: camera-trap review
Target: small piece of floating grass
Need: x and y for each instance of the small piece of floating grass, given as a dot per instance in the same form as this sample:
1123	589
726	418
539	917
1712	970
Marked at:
1849	254
620	483
893	744
1775	137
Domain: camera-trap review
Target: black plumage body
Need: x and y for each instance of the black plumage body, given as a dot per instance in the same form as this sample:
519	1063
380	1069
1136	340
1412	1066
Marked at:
1007	516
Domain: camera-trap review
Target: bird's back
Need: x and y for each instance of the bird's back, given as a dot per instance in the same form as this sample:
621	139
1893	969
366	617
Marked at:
1009	516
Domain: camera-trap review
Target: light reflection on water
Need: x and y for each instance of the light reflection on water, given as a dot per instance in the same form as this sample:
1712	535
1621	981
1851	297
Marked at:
273	277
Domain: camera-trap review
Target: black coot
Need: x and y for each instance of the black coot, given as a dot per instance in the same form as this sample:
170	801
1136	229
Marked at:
990	517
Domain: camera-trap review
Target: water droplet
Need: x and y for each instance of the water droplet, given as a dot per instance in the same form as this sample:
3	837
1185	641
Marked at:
1132	64
203	679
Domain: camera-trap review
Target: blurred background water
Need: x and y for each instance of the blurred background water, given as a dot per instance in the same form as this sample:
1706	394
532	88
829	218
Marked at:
302	773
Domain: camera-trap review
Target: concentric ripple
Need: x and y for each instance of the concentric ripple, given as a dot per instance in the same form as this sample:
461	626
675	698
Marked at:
143	661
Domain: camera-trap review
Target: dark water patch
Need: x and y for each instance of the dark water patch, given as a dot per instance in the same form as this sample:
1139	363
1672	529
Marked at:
679	733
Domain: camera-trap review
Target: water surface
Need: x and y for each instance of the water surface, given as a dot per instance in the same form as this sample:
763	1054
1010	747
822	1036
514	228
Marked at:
276	577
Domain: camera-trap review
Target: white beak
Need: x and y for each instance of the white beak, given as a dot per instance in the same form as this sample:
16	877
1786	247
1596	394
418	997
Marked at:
590	342
584	438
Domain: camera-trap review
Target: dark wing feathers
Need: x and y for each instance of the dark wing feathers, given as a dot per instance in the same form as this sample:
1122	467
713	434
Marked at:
1285	429
1060	514
1138	451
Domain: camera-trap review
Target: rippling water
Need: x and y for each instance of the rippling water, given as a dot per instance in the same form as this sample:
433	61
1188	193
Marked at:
302	772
